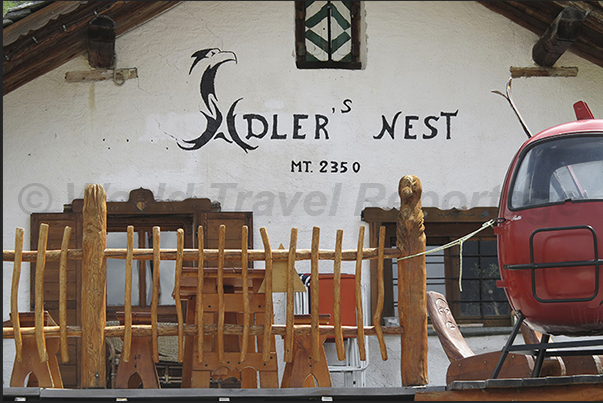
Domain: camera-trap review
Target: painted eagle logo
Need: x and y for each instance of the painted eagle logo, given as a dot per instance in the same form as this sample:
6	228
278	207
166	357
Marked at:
213	58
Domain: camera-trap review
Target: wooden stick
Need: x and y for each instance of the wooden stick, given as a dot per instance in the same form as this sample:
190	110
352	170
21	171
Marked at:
268	291
94	283
39	288
211	329
180	246
246	310
63	293
210	254
337	297
289	318
412	298
155	299
358	292
221	242
125	354
199	295
14	301
380	296
314	312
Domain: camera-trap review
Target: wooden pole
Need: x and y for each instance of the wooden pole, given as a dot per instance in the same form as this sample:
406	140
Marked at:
39	288
337	297
358	292
14	298
290	297
221	307
63	293
125	353
412	305
314	287
199	295
268	300
94	287
178	274
155	298
246	310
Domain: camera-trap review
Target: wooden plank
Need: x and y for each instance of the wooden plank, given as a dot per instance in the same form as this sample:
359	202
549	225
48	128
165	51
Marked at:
94	284
410	239
517	72
90	76
545	393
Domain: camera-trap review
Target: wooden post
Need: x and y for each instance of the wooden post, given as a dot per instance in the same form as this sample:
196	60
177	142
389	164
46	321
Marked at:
412	307
94	287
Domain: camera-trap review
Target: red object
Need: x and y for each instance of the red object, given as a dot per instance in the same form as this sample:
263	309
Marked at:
348	298
550	230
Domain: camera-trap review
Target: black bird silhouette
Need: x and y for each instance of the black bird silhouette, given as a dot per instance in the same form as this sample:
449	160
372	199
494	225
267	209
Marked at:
215	58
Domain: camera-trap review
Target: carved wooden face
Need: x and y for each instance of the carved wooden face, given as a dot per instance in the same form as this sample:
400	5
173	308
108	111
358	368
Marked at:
445	313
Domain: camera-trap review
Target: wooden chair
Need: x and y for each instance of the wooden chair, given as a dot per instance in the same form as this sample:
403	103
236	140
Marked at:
140	368
41	374
464	363
304	370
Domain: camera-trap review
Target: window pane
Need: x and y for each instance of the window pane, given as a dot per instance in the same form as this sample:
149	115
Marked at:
116	271
167	270
560	169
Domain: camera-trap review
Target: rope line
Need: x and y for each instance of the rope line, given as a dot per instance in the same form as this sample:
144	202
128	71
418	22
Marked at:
459	242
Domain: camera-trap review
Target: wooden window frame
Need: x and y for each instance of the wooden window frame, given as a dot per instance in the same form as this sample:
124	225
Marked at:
441	227
300	41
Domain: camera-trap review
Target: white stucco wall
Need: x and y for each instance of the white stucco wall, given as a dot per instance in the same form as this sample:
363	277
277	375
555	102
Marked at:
420	59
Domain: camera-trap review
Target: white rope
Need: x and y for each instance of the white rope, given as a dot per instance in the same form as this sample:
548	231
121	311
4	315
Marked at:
453	243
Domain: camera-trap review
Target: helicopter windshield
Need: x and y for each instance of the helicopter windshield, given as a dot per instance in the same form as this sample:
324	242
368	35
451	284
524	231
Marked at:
563	169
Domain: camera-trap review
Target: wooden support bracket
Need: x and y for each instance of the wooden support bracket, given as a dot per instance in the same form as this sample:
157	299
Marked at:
100	75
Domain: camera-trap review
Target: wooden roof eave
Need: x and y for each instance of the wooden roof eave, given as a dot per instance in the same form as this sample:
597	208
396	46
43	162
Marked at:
49	38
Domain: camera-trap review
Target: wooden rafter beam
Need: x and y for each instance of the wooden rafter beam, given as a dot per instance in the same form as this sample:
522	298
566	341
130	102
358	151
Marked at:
562	33
537	17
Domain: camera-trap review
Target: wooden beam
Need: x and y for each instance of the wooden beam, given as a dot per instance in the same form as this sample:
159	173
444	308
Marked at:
558	37
543	72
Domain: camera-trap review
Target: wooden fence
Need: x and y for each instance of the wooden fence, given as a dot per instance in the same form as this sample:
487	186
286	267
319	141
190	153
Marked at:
93	331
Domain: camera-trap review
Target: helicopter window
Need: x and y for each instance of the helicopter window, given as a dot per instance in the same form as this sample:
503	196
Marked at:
559	170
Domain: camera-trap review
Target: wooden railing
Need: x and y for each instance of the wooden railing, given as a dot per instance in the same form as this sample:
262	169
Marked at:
93	331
